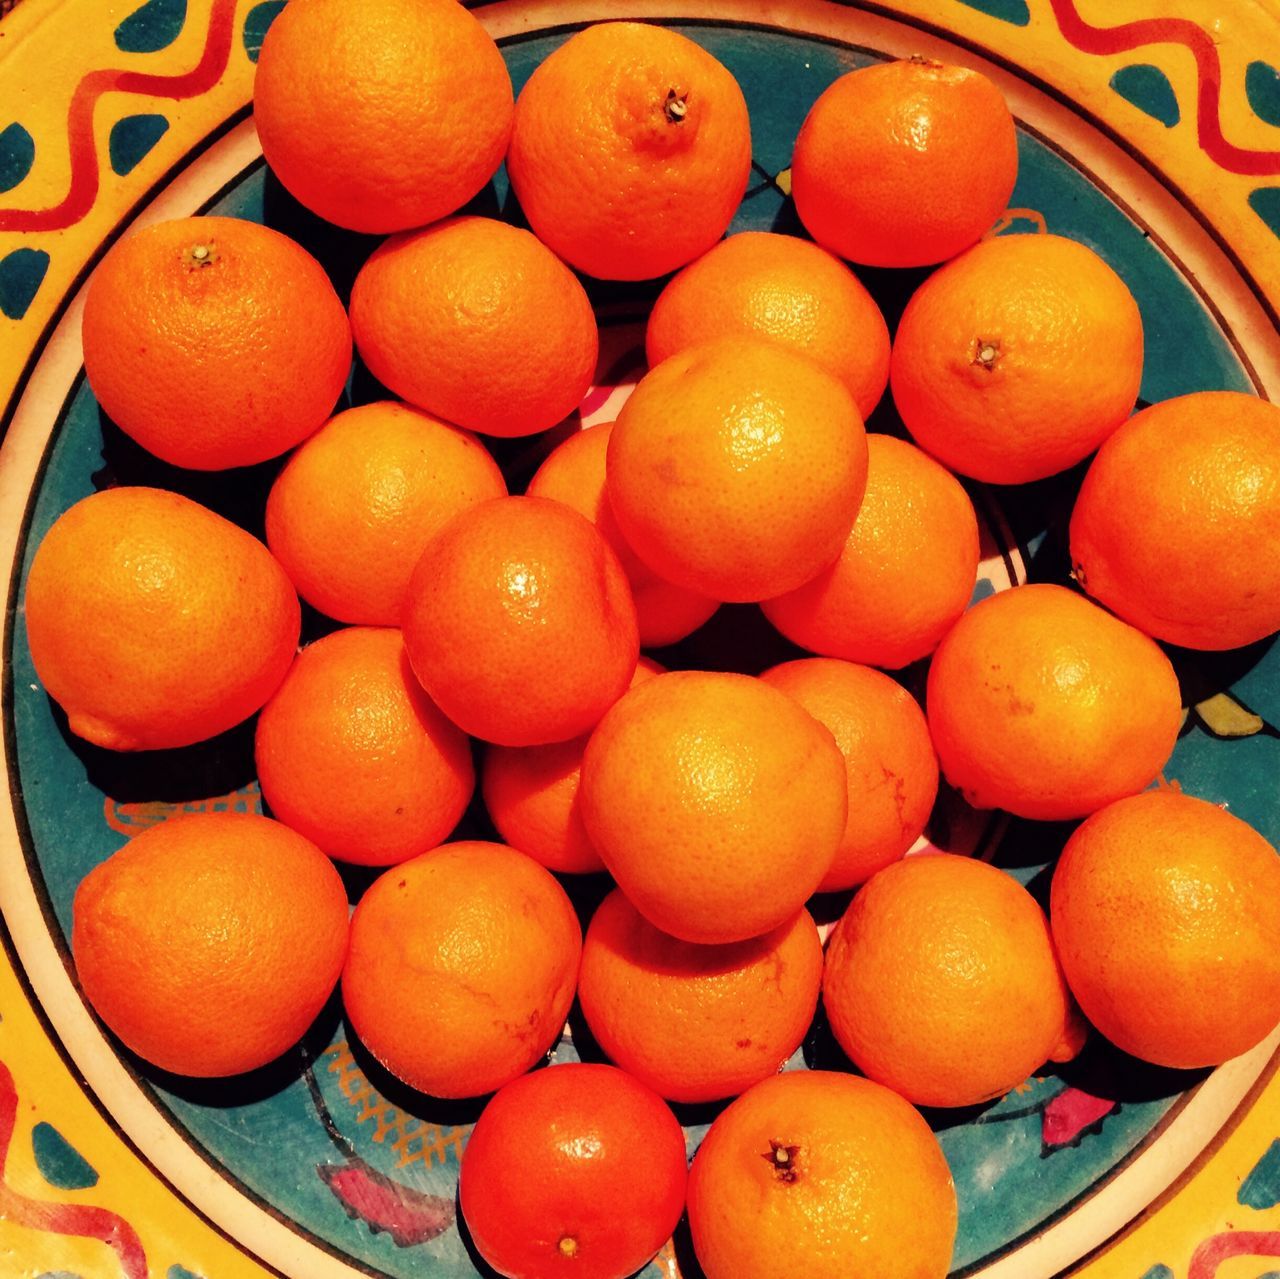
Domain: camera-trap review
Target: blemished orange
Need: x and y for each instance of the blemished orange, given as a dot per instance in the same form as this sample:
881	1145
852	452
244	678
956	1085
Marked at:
905	163
836	1176
736	468
694	1022
1018	358
941	982
519	622
488	945
355	756
214	342
1166	914
384	116
889	762
1177	521
210	942
906	572
155	623
715	801
574	473
785	289
478	322
1042	704
630	150
356	505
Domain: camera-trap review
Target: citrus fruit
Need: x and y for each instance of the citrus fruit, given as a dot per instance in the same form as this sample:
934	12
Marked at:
461	967
154	622
736	468
715	801
214	342
210	942
519	622
1018	358
630	150
1042	704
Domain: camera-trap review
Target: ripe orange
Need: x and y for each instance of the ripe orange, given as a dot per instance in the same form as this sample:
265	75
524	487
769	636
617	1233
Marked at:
889	761
477	321
716	802
209	943
906	573
383	116
1042	704
1178	519
630	150
214	342
486	944
736	469
154	622
825	1175
519	622
1017	359
905	163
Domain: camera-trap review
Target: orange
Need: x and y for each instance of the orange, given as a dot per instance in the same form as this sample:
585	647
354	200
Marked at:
905	163
890	766
355	756
478	322
736	469
1166	913
355	506
383	116
214	342
461	968
519	622
715	801
1177	522
825	1175
1042	704
154	622
784	289
1017	359
210	942
574	473
906	573
630	150
697	1023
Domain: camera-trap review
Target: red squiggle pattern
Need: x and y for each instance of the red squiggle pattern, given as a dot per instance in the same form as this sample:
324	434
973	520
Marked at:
1242	1243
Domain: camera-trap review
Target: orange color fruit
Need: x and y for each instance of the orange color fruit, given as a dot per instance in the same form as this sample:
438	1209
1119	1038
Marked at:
630	150
904	163
214	342
736	469
461	967
519	622
385	116
1017	359
906	572
154	622
210	942
715	801
1177	521
891	770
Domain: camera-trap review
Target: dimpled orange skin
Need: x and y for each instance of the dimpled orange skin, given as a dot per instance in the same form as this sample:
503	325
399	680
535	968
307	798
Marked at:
478	322
214	342
715	801
1017	359
381	117
904	164
1042	704
736	469
630	150
1178	518
155	623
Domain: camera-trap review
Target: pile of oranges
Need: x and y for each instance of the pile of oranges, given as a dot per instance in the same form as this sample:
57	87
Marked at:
493	640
